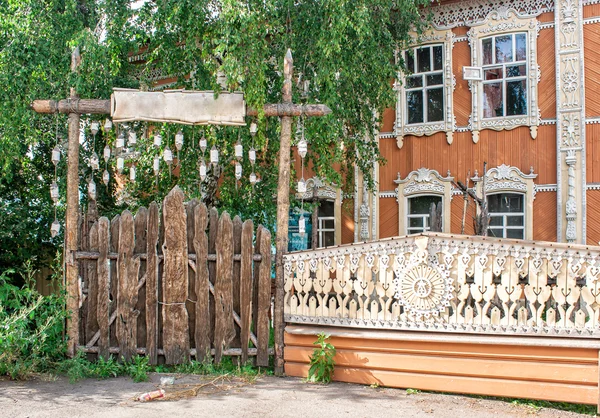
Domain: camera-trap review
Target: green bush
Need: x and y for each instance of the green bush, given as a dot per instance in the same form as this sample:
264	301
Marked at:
321	361
31	326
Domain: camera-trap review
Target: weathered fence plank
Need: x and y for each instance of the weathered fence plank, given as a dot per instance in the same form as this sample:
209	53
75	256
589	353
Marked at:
255	280
224	326
245	288
192	299
202	331
103	287
141	221
176	341
264	299
152	285
127	295
213	229
114	247
237	249
91	323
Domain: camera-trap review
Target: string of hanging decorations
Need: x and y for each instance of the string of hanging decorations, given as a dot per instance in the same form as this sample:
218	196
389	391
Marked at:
122	152
302	151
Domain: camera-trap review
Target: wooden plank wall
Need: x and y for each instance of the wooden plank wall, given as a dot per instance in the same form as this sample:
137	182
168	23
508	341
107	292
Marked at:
149	287
480	365
593	214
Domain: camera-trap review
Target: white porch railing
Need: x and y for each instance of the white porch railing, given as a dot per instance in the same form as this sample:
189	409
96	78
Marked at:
443	282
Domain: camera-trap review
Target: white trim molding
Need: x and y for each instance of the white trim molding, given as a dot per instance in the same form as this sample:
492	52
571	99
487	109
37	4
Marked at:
502	21
401	127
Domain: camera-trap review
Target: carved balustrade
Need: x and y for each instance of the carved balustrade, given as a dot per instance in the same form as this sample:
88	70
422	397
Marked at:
443	282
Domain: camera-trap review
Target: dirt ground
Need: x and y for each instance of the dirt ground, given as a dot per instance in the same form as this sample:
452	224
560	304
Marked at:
198	396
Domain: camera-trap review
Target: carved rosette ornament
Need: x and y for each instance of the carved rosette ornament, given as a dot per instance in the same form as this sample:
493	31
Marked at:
424	287
402	128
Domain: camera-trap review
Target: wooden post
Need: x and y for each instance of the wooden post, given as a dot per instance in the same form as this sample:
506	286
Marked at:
71	238
283	211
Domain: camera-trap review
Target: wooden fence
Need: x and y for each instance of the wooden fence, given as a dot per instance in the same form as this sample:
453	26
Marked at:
178	283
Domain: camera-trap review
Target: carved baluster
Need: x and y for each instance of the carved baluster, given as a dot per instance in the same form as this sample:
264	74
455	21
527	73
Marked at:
591	292
289	271
558	270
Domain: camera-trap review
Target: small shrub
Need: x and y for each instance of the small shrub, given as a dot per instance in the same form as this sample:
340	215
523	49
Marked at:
137	369
321	361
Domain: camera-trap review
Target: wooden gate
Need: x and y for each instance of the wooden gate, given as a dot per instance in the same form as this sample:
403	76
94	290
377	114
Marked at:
179	283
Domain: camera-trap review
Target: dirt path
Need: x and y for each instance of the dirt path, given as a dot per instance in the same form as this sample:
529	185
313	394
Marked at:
233	397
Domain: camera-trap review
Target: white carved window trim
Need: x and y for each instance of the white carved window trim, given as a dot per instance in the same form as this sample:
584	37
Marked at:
425	216
509	179
419	183
499	22
401	128
325	192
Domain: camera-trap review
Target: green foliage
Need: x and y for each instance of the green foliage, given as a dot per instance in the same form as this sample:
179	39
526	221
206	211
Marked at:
321	360
137	369
411	391
31	327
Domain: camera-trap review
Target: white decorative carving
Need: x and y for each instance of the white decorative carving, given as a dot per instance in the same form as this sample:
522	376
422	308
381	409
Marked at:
401	128
507	178
505	20
323	191
571	204
423	180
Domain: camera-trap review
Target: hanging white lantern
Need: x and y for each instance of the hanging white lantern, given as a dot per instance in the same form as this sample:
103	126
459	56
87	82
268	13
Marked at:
54	192
301	186
202	170
54	228
238	150
94	161
106	153
253	128
55	155
302	148
105	177
120	141
107	125
157	140
120	164
253	178
238	170
252	155
214	155
92	189
132	138
203	144
132	173
156	165
302	225
168	155
94	127
179	140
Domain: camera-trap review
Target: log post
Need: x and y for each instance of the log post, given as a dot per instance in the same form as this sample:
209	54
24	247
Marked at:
283	211
71	238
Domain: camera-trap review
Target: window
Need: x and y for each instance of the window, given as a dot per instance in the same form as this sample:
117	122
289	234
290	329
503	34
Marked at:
507	215
504	75
425	87
325	227
418	213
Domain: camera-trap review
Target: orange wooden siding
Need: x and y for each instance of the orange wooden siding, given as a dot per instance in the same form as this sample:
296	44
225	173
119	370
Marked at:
547	84
453	363
388	218
592	142
347	221
461	56
456	215
544	219
593	217
591	56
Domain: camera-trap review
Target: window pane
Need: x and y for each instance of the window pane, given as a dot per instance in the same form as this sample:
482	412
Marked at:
514	220
326	208
504	48
487	51
492	100
414	81
328	224
414	104
435	105
495	203
437	57
496	220
516	98
415	223
493	74
435	79
328	239
521	43
421	204
505	202
410	61
516	71
495	233
423	59
514	233
514	202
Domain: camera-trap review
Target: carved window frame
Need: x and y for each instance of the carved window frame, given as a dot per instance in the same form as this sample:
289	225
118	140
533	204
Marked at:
500	22
326	192
510	179
423	182
448	125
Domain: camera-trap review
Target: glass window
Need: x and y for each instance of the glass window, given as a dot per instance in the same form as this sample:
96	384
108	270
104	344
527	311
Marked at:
505	75
418	213
507	215
326	228
425	86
